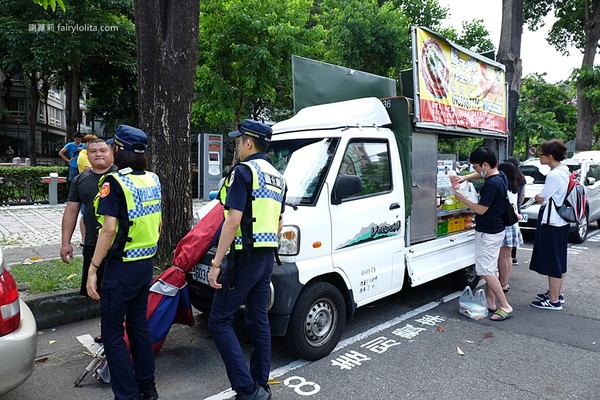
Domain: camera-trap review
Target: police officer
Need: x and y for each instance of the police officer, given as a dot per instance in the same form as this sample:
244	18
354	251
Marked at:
253	196
128	207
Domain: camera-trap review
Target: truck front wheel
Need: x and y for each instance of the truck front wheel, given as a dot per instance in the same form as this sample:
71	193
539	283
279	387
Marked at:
317	321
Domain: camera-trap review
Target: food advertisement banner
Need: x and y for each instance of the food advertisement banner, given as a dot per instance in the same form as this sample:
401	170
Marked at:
456	87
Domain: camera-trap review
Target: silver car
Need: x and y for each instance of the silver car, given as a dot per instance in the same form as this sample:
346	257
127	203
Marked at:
587	172
18	334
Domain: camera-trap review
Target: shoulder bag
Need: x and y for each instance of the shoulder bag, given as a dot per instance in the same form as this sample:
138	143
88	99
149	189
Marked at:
509	216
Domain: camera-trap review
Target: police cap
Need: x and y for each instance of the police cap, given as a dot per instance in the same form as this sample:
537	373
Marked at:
254	129
130	138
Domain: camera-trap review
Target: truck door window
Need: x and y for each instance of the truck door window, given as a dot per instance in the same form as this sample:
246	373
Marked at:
370	161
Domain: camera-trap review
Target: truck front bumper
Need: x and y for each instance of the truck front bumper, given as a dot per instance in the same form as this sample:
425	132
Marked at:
285	288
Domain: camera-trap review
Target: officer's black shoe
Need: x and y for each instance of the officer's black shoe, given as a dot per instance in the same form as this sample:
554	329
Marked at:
258	394
148	392
268	390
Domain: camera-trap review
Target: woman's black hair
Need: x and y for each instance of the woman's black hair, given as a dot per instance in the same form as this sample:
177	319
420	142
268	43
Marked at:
520	177
125	158
511	174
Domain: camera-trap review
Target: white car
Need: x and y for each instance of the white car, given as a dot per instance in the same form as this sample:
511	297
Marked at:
18	334
587	172
587	155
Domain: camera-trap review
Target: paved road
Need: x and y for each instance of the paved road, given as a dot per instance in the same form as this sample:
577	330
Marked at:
405	346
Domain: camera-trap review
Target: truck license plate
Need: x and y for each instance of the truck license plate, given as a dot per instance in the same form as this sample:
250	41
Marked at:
200	273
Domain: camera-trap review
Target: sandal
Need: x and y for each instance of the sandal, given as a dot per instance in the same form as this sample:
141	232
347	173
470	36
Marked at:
501	314
505	287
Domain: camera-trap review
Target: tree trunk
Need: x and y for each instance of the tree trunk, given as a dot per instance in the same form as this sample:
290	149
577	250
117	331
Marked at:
167	46
586	117
45	91
72	76
509	54
34	101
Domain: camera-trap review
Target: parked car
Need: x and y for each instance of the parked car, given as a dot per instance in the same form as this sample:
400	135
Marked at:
18	334
587	172
590	155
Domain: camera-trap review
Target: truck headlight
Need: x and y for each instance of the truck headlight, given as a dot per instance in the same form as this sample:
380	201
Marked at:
289	240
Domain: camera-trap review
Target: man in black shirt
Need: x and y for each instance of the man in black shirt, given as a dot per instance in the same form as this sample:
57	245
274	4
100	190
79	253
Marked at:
83	190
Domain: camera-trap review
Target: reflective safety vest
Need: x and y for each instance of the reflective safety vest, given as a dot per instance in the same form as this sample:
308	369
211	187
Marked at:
261	227
143	200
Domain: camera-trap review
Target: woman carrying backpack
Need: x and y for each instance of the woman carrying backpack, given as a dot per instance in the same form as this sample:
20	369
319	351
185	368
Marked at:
549	255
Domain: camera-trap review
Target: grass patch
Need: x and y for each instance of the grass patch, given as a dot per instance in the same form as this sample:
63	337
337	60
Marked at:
49	276
52	275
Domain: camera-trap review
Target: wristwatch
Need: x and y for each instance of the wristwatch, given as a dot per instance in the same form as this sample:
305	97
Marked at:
214	265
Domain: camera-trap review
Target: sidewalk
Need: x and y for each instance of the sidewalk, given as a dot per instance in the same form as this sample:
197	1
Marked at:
32	232
35	231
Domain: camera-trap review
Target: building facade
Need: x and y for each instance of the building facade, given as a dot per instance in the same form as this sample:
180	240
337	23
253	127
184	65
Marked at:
50	124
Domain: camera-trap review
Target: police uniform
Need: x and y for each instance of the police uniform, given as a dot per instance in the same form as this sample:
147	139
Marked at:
134	199
257	189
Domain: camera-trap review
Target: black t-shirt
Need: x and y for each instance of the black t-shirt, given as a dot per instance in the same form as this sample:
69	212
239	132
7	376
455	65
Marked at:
492	194
83	190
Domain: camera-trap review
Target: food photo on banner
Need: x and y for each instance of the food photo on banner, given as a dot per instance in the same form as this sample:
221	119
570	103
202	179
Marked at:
457	87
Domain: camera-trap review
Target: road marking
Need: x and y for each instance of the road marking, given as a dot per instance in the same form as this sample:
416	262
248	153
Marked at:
226	394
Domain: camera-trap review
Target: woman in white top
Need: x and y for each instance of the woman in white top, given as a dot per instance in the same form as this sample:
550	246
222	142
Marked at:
549	255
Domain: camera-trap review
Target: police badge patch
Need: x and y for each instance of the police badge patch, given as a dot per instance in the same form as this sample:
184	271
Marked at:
104	190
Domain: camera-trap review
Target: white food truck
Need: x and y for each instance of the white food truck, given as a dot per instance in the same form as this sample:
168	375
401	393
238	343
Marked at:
363	217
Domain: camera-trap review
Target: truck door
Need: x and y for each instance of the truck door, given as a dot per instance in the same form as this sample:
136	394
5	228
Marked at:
367	227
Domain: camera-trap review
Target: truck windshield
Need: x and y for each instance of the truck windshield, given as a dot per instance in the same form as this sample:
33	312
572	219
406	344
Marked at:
304	164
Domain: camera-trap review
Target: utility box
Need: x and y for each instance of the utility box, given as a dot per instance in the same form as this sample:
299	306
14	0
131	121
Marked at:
210	163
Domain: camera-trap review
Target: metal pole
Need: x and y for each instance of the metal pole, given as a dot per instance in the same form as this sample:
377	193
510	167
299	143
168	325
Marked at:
53	191
27	191
19	138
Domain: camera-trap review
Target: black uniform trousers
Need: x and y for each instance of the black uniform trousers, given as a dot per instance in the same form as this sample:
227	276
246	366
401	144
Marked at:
124	298
252	286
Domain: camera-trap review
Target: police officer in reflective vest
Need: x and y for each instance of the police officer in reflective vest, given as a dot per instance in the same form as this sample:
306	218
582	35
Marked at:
253	196
128	207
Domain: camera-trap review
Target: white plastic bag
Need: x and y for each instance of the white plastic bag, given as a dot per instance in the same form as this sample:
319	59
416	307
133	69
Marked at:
473	306
467	189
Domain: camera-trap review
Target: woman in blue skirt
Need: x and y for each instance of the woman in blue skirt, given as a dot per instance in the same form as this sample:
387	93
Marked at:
550	247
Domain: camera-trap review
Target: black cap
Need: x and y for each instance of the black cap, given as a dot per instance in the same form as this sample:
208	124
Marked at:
130	138
254	129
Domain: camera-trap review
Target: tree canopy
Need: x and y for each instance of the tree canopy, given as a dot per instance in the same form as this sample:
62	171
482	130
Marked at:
576	23
245	47
89	43
546	111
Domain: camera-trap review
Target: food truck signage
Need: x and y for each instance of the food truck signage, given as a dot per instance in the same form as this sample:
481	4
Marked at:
455	87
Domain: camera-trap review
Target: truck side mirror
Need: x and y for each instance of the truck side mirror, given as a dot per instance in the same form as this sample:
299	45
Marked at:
345	186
